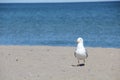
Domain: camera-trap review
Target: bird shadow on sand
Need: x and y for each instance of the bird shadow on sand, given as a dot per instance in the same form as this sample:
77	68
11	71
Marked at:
78	65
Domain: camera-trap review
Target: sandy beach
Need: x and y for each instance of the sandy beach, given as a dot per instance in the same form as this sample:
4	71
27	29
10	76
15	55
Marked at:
57	63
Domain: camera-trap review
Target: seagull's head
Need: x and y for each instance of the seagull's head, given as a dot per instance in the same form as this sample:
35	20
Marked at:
79	40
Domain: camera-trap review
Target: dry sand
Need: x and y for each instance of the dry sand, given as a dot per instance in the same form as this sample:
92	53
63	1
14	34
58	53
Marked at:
57	63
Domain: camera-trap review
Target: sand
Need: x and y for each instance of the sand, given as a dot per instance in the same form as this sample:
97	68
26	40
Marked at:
57	63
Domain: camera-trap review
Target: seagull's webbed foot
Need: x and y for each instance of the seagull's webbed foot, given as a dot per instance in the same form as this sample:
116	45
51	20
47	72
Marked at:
81	65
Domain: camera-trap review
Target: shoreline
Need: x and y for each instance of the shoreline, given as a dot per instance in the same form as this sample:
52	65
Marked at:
55	46
56	63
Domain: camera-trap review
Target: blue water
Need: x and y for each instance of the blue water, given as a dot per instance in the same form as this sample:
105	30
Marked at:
60	24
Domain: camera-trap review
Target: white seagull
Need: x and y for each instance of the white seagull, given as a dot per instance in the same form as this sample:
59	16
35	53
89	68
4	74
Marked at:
80	52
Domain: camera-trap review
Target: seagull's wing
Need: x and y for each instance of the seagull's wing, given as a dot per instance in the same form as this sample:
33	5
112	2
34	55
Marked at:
86	53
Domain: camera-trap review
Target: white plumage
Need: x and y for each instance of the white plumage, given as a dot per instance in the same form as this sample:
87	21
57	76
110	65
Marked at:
80	52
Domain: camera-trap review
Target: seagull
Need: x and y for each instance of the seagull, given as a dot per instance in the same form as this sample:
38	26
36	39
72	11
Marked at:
80	52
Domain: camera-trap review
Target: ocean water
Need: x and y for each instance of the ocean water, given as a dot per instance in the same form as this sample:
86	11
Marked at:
60	24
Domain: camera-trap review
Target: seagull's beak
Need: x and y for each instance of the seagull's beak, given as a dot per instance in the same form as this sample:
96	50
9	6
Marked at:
78	41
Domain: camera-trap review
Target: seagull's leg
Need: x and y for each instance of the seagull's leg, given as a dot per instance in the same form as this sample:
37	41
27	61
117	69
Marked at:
78	62
84	61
